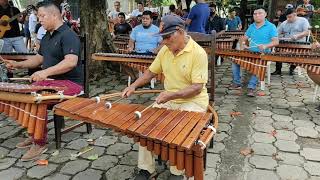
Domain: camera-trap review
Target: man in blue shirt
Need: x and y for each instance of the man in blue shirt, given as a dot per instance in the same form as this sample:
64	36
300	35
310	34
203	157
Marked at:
142	39
233	22
262	36
198	17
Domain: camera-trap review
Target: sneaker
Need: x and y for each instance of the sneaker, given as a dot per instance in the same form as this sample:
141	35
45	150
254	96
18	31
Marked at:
251	93
235	86
144	175
34	152
25	144
276	72
317	109
175	177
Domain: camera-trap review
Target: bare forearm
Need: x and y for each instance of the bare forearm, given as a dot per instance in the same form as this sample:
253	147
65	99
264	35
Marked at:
146	78
273	44
32	62
64	66
302	35
188	92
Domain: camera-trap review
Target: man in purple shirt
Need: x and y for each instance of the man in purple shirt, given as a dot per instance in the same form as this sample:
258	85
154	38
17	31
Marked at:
198	17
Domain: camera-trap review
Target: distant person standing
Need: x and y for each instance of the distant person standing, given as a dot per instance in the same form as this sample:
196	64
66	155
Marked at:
198	17
113	15
306	10
233	21
215	22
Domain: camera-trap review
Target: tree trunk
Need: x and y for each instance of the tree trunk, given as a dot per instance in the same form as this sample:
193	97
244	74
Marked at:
242	13
94	25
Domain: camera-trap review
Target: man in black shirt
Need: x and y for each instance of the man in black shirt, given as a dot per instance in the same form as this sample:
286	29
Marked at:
59	55
12	38
122	27
215	22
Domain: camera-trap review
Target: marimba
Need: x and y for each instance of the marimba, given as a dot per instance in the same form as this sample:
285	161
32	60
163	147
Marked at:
135	61
250	61
179	137
27	104
233	34
16	56
293	47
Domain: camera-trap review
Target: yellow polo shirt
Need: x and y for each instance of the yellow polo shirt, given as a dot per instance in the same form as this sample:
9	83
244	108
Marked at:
180	71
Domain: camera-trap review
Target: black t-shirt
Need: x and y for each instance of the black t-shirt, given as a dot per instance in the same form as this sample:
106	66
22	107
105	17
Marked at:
122	29
10	12
282	18
215	23
55	46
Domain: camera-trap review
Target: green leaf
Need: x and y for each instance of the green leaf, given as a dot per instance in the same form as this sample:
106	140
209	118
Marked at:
93	157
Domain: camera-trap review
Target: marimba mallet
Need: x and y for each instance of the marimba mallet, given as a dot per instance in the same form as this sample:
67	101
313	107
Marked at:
109	105
139	113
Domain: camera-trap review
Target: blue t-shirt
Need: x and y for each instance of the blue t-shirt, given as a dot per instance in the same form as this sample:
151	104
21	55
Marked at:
260	36
145	39
233	24
199	16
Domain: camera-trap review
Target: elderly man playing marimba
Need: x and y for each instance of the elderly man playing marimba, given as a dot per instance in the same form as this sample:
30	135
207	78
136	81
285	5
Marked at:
58	55
184	64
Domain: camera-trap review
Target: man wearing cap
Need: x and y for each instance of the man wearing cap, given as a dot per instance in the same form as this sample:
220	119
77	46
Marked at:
283	17
294	29
185	66
262	36
142	39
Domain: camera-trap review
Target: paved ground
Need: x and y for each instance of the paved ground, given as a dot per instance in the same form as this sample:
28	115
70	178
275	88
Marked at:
279	132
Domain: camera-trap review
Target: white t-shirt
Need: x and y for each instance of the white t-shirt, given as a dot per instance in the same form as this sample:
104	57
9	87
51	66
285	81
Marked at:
136	13
32	22
41	33
113	14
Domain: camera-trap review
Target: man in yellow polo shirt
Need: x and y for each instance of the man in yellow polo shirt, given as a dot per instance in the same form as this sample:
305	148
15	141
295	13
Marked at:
184	64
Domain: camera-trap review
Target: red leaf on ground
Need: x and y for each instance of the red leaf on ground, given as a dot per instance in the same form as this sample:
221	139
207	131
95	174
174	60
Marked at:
235	113
273	133
42	162
261	93
246	151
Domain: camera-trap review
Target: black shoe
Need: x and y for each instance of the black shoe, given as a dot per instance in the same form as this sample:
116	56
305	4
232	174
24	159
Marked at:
276	72
291	73
144	175
175	177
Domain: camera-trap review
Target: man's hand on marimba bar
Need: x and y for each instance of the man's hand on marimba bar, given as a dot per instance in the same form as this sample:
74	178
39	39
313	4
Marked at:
165	97
128	91
11	64
39	76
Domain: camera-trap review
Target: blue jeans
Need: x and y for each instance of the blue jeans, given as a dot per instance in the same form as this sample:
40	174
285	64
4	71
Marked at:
15	43
237	78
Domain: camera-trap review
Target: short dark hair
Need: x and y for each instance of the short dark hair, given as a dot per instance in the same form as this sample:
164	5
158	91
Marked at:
289	11
260	7
140	3
122	14
213	5
172	7
231	10
48	3
147	13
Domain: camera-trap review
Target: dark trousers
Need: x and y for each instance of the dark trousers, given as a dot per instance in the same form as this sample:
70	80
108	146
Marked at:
279	67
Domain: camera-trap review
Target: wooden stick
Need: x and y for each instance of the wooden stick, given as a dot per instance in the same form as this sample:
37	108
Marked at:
25	79
108	96
109	104
138	114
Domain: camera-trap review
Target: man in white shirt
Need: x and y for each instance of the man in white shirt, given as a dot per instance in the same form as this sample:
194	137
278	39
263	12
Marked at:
113	15
294	29
33	21
138	11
